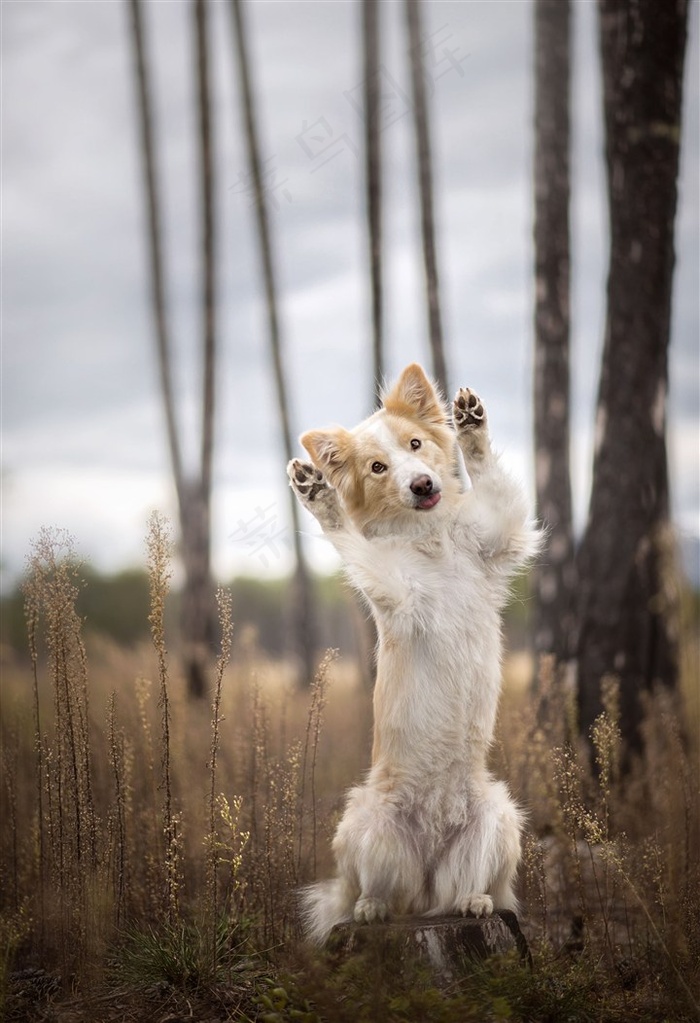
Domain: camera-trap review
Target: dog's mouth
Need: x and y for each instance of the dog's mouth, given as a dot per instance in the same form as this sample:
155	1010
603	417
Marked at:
429	501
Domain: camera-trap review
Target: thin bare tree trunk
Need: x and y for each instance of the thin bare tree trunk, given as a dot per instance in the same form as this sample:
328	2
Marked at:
373	180
198	614
303	606
425	180
554	575
193	495
207	184
158	305
627	626
366	630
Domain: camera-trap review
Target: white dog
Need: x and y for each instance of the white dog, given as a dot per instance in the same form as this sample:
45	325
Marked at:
430	831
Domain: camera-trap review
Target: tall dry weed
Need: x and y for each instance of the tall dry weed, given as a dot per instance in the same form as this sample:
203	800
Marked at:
612	857
67	867
165	834
134	811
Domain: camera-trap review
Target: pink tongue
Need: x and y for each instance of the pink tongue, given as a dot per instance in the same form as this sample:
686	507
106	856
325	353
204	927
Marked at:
429	502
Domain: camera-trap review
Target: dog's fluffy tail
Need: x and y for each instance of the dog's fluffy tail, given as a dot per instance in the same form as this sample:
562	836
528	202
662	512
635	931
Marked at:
323	905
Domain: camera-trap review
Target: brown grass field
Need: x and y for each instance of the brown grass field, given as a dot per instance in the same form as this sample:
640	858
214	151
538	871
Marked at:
150	847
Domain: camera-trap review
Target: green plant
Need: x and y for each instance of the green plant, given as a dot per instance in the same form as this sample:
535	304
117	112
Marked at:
182	955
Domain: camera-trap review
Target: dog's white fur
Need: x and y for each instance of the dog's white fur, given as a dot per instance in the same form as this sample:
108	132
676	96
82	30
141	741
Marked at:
430	831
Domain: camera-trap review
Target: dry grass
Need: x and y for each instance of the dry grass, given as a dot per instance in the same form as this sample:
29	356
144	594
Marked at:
148	838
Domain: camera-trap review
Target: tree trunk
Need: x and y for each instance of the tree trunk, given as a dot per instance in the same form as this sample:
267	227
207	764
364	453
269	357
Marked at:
304	625
198	610
373	181
626	624
206	176
425	181
158	304
198	614
554	574
198	604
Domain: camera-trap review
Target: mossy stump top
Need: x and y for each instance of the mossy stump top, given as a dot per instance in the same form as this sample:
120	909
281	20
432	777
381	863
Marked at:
441	943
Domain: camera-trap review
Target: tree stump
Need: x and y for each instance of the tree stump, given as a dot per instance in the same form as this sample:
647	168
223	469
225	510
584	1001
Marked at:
441	943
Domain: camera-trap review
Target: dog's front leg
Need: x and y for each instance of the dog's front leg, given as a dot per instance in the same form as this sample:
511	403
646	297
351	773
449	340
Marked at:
471	426
499	515
314	494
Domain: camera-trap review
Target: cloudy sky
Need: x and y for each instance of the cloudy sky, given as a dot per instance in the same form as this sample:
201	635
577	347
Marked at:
83	442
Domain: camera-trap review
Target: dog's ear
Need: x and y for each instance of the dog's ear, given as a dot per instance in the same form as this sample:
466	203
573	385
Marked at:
413	395
329	450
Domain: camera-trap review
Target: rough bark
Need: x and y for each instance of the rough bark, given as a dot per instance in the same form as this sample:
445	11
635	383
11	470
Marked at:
373	181
626	624
304	625
554	575
425	183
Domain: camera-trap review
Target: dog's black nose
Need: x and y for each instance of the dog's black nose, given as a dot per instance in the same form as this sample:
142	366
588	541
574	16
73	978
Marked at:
422	486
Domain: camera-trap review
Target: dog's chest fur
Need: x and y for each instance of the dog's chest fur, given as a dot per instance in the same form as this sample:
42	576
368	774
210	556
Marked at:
437	616
429	583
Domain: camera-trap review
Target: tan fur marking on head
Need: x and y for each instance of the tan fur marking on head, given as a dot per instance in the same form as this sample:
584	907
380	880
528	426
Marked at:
374	498
360	487
414	396
329	449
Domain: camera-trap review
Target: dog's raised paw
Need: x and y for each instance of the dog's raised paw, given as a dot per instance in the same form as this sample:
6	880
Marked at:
369	910
476	905
306	479
468	410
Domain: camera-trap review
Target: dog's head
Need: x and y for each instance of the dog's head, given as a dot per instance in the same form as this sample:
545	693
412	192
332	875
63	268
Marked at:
396	465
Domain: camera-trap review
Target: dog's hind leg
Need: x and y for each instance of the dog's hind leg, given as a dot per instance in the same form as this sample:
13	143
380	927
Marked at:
481	858
378	852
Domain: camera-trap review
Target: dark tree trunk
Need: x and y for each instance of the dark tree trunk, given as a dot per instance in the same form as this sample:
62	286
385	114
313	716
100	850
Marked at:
626	625
198	611
193	497
366	630
198	604
304	623
554	573
425	181
207	184
158	303
373	181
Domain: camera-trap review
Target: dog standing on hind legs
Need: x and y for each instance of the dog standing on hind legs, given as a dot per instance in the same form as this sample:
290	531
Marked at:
430	831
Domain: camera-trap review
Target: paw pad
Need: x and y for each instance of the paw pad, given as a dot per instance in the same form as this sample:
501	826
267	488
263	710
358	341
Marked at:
306	479
467	410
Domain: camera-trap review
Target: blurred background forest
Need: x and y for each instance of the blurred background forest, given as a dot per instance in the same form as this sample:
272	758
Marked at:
224	223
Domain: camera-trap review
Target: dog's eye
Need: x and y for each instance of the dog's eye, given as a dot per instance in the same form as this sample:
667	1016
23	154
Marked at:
415	443
378	467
